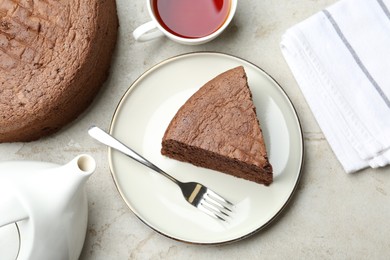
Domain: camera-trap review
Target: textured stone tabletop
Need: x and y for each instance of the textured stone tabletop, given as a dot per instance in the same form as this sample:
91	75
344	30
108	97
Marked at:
332	214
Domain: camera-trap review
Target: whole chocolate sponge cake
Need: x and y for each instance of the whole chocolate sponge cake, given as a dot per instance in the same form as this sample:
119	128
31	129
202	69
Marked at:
217	128
54	57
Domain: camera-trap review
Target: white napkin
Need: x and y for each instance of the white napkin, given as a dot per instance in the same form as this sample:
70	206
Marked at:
340	58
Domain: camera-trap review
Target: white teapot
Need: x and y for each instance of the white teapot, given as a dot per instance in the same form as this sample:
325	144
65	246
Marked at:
46	205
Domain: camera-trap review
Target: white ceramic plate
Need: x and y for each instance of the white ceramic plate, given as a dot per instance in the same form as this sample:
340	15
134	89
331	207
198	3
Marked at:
140	122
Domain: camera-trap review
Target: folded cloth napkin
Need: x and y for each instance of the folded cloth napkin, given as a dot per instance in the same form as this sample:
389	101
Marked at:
340	58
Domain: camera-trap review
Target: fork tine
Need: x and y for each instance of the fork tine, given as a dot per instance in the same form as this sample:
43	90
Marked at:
211	210
227	204
210	213
217	205
213	205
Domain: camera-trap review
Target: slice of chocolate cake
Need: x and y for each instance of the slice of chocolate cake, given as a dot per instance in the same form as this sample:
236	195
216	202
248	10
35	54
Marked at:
217	128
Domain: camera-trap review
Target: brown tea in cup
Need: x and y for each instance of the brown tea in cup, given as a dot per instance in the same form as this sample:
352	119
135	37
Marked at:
191	18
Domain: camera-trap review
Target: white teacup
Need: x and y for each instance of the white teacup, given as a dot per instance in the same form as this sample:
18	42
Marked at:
153	29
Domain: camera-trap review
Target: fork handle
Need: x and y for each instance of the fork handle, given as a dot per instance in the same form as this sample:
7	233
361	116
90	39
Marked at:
105	138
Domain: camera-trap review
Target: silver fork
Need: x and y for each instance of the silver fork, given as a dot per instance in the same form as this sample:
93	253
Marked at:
194	193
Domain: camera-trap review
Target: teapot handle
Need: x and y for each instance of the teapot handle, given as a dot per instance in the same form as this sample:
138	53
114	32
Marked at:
11	209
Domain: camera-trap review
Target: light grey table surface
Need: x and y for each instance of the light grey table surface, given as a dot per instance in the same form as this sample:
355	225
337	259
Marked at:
332	214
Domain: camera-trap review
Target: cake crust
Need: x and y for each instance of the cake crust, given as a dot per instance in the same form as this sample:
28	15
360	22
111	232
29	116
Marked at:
218	128
54	57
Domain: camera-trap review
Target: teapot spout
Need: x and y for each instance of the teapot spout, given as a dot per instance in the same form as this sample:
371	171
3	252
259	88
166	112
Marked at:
75	173
85	164
11	208
81	167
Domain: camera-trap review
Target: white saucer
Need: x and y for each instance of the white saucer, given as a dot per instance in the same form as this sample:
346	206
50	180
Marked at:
140	122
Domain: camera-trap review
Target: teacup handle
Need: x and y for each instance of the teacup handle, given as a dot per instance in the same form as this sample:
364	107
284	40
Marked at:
147	31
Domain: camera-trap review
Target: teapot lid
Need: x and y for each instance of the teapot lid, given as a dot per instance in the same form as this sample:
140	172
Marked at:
9	241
